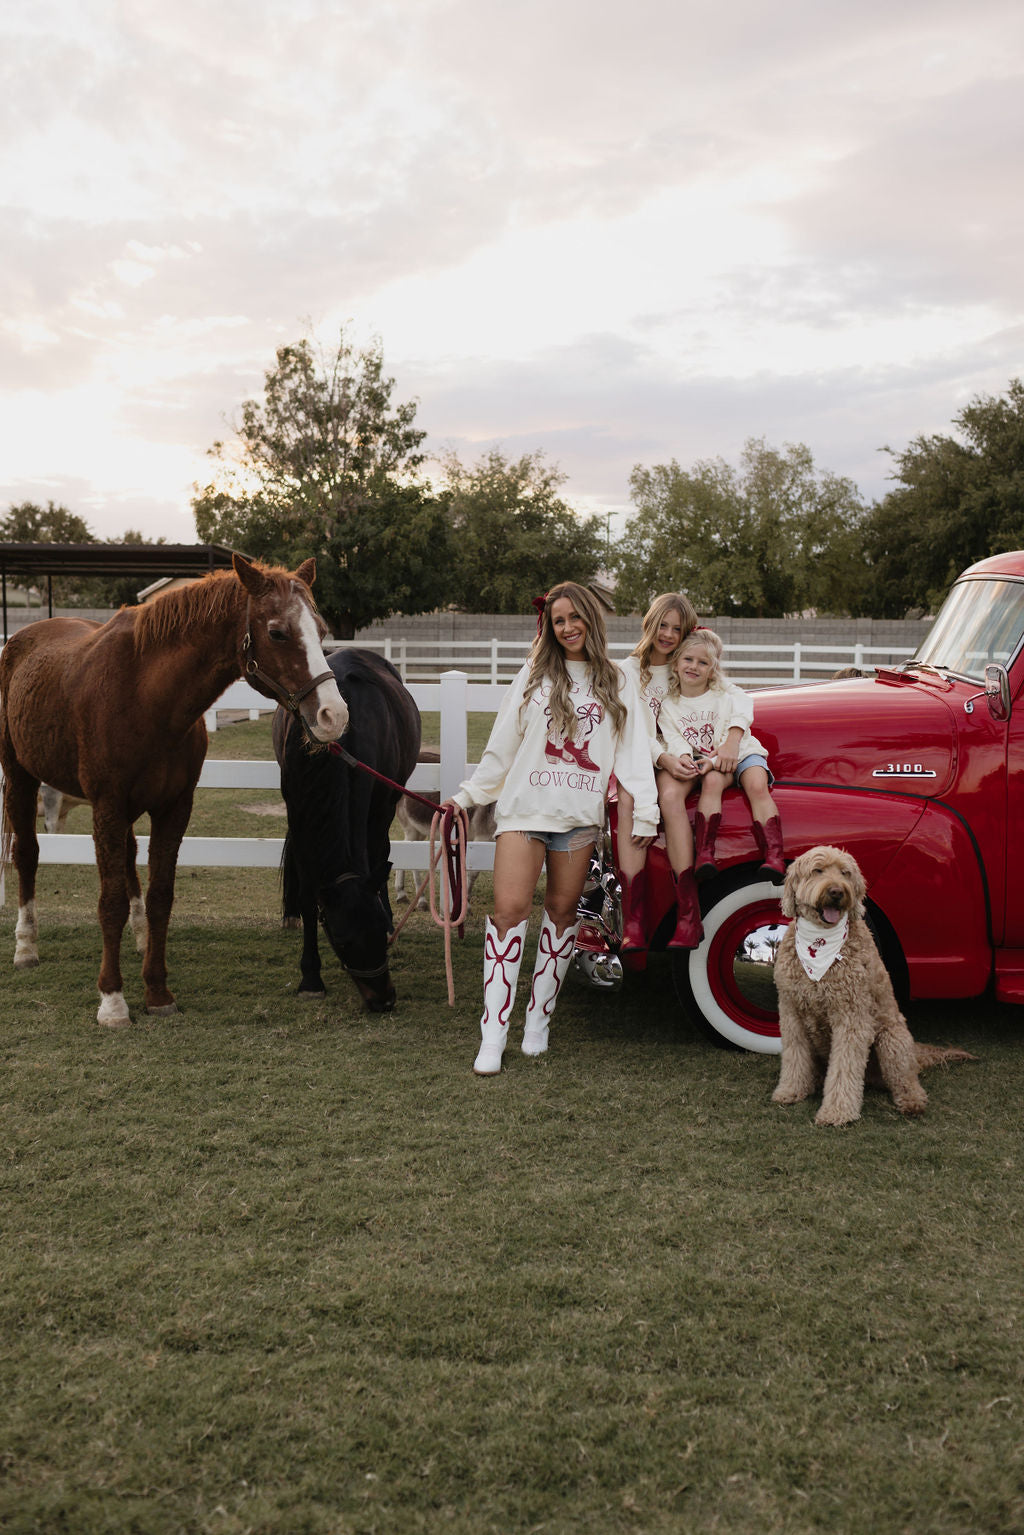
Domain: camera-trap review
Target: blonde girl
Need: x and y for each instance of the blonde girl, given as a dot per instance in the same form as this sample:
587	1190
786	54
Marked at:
569	720
666	624
706	722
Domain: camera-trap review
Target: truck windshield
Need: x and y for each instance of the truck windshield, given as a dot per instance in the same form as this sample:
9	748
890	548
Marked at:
980	621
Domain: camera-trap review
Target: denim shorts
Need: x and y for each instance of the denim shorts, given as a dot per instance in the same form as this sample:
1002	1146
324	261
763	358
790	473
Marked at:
566	841
753	759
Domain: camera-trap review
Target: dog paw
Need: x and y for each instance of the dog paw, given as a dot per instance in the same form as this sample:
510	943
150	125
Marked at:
911	1107
834	1117
787	1095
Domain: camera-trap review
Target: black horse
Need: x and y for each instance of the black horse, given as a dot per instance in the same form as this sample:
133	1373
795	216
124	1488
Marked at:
337	851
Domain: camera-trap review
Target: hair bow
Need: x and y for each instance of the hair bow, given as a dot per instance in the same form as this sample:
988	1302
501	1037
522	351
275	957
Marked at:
539	604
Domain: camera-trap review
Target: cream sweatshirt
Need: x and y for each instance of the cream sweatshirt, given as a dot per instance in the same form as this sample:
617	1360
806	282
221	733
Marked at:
542	783
698	726
652	696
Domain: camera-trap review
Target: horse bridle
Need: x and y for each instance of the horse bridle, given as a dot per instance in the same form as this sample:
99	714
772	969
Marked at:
253	670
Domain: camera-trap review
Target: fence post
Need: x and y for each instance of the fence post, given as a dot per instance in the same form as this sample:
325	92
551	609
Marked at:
453	731
494	659
858	656
796	661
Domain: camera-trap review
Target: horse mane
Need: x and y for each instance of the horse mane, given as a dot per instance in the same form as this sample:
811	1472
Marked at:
208	600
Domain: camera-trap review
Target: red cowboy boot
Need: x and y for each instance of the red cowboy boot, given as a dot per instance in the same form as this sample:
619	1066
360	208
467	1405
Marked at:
580	756
689	931
634	905
552	752
705	832
768	836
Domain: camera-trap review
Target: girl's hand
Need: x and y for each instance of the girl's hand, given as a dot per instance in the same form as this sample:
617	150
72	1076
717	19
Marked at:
683	768
726	762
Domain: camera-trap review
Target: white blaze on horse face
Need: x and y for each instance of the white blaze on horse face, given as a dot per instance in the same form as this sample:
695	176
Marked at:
331	708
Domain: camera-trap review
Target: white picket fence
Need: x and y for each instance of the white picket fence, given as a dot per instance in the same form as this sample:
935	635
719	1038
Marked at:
454	697
768	664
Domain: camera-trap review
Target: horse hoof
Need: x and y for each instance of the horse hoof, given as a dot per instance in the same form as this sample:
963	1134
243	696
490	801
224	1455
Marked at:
311	996
162	1012
26	962
113	1013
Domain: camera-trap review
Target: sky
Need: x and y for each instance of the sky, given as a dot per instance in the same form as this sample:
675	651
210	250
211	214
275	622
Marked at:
618	234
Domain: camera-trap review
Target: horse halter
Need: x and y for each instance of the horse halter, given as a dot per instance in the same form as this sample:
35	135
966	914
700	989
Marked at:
254	671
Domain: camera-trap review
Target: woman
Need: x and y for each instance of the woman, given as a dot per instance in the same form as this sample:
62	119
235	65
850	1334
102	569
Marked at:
667	623
569	720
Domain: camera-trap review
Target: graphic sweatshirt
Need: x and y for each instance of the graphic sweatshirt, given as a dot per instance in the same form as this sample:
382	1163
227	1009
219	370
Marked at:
698	727
541	782
652	696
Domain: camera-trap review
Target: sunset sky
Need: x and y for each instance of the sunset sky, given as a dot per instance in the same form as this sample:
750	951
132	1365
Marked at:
617	233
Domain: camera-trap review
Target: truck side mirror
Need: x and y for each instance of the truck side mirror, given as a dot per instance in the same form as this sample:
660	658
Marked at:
997	691
996	694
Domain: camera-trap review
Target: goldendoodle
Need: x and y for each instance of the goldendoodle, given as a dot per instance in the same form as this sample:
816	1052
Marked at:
837	1010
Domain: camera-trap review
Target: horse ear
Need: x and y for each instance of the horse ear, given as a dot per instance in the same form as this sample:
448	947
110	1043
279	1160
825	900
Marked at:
254	581
307	571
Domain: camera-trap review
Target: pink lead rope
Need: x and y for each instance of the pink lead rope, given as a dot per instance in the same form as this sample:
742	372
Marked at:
454	825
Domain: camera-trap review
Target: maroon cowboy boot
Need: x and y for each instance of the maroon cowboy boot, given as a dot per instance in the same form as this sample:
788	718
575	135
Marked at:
689	931
634	905
705	832
768	836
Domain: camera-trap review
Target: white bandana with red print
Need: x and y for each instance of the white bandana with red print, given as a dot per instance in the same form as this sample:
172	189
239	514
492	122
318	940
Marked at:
818	948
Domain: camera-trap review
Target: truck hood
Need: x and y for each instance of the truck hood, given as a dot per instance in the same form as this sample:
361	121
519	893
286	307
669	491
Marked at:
894	731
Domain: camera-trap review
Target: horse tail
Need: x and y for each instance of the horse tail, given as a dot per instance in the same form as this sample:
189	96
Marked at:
291	888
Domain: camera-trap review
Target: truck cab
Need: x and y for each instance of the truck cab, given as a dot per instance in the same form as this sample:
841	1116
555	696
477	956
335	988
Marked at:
918	771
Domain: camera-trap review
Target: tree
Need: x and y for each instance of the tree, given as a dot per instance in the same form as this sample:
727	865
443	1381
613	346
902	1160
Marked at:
30	523
323	466
954	502
512	534
768	539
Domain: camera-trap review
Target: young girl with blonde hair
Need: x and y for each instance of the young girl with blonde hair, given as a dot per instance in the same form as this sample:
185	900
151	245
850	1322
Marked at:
666	625
569	720
705	723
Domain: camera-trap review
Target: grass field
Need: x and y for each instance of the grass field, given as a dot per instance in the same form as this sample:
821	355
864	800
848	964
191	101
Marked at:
275	1266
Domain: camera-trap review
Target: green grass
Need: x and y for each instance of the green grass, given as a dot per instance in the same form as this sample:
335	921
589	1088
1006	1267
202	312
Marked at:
275	1266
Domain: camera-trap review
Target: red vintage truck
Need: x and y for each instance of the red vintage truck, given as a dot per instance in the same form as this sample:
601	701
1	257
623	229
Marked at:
918	770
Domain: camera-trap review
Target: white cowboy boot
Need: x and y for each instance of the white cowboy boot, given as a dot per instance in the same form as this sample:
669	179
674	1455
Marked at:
553	956
502	958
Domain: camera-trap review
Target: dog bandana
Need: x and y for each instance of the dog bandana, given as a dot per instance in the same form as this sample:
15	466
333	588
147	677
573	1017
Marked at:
818	949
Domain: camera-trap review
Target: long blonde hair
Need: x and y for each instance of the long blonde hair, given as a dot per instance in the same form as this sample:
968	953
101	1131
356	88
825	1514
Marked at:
713	645
660	608
547	662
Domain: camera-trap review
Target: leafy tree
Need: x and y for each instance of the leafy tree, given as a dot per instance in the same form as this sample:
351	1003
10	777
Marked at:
323	466
955	501
30	523
512	534
764	540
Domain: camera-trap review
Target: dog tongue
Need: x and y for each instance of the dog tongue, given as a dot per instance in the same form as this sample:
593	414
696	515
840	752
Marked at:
831	915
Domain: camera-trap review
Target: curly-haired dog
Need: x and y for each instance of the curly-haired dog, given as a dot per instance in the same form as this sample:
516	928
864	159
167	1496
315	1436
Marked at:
836	1004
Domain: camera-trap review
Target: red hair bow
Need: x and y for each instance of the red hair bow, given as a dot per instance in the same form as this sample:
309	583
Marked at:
539	604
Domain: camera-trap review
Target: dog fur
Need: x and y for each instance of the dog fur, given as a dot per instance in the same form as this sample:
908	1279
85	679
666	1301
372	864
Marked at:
846	1026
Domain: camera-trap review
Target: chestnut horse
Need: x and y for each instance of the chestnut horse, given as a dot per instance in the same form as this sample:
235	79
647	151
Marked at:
113	713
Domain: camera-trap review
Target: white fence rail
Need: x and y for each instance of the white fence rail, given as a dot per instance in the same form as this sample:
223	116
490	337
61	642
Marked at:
767	664
454	697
